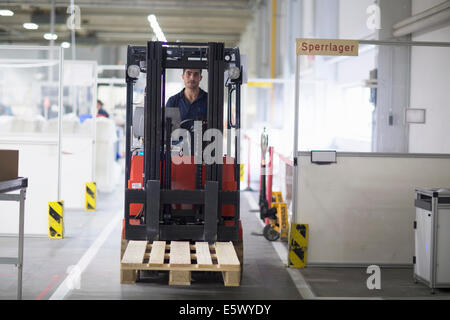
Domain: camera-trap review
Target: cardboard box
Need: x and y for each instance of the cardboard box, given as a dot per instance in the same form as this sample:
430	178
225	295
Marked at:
9	164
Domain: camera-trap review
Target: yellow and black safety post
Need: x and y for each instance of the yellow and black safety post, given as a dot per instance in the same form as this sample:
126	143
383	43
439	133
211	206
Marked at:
55	220
241	176
298	245
90	196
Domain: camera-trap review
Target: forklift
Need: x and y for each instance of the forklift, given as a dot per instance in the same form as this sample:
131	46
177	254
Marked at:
165	198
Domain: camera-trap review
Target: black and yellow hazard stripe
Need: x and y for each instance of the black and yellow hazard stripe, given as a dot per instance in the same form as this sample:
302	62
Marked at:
241	175
55	220
298	245
90	196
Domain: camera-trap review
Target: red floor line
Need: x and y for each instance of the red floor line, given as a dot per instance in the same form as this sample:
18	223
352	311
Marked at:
47	288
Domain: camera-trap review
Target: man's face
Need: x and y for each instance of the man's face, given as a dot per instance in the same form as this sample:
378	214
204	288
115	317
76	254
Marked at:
191	78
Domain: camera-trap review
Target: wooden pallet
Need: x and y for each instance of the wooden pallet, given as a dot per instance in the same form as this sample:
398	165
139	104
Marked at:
180	258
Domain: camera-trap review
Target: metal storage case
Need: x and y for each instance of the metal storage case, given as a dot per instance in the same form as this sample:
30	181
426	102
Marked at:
432	237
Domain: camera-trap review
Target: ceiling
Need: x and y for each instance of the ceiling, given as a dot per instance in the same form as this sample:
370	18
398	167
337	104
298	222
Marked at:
122	22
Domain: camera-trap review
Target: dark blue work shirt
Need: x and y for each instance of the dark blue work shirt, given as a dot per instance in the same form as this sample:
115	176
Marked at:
102	113
195	110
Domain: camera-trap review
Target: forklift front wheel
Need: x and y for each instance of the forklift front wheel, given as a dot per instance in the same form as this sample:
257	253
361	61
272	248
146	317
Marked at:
270	233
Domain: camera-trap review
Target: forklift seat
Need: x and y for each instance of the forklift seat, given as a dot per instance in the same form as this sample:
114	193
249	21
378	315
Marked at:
138	120
174	114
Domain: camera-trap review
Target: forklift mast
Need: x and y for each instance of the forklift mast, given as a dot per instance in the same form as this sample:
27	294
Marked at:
196	202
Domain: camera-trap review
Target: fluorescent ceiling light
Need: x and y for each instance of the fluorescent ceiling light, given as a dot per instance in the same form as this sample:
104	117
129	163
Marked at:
30	26
50	36
6	13
65	44
156	28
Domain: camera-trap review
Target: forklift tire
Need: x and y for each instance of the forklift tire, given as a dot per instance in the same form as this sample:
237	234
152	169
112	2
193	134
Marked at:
270	233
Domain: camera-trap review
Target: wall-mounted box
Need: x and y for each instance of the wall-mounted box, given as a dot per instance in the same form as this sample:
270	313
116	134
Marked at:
415	115
323	156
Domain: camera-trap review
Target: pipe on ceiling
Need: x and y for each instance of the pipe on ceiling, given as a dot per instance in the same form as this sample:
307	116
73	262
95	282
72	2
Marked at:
211	5
432	17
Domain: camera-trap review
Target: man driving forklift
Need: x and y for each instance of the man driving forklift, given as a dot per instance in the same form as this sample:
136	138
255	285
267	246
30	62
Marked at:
181	202
192	101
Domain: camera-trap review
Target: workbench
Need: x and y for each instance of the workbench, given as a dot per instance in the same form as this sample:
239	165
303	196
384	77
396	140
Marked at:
21	185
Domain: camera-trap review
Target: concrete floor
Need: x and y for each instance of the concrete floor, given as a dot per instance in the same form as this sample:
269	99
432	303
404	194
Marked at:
48	263
396	283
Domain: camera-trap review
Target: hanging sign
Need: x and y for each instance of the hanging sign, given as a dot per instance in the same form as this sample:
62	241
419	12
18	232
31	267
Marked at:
327	47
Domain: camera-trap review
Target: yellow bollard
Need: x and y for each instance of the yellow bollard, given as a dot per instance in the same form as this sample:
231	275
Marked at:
55	220
90	196
298	245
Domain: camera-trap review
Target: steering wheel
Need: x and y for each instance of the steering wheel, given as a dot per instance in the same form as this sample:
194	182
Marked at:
187	124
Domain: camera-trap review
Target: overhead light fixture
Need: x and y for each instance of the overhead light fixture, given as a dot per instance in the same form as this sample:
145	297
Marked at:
6	13
65	45
50	36
156	28
30	26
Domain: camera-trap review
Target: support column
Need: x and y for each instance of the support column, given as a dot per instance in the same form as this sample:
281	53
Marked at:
390	133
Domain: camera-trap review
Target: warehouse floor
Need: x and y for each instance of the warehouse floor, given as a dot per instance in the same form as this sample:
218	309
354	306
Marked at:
92	247
85	265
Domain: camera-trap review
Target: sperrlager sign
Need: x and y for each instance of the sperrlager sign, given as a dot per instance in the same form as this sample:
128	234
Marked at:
327	47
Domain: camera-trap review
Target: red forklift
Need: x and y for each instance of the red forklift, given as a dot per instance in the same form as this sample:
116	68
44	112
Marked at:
164	199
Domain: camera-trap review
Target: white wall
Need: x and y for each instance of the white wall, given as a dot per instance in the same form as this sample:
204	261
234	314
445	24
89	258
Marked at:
361	209
353	19
76	169
38	161
430	87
